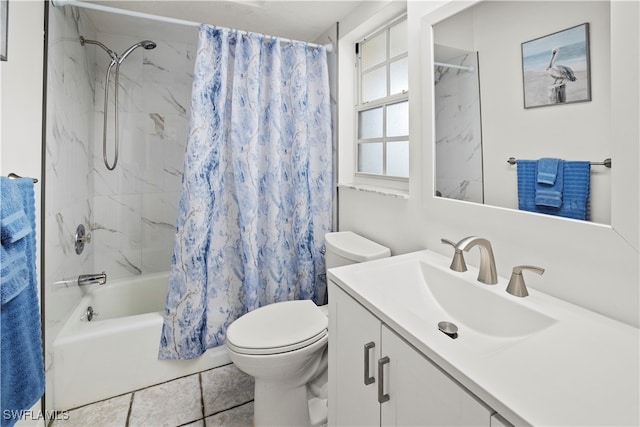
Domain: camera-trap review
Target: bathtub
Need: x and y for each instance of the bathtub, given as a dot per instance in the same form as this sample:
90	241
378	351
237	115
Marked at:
117	352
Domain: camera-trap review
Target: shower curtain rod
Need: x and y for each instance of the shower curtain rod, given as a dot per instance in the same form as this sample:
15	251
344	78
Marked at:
457	67
101	8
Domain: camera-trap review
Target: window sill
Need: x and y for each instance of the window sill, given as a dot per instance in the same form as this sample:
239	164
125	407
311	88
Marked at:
400	194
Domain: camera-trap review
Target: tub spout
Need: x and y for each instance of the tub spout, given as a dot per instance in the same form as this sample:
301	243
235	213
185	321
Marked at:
90	279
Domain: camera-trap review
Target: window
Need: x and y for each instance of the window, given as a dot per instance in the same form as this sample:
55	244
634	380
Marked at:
382	110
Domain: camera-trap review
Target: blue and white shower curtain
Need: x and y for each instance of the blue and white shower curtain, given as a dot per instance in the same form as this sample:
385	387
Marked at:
256	192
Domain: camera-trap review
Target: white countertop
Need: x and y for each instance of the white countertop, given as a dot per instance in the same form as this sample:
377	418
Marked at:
583	370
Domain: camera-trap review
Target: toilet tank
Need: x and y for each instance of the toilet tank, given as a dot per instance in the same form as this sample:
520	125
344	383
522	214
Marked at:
346	247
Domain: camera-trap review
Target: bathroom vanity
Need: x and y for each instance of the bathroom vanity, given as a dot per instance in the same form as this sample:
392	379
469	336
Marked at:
523	361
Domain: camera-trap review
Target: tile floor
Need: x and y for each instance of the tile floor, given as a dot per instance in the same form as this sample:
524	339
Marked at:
218	397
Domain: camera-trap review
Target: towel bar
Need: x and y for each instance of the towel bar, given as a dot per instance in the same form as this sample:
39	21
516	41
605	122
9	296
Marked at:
13	176
606	162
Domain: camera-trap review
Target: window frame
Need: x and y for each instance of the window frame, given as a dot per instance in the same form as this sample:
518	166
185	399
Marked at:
383	102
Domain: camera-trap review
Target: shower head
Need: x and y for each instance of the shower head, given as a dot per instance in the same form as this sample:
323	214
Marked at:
147	44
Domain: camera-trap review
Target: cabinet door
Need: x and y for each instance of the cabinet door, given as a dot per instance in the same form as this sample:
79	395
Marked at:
351	327
421	394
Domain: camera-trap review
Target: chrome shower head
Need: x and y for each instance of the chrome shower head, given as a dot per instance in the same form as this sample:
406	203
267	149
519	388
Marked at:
147	44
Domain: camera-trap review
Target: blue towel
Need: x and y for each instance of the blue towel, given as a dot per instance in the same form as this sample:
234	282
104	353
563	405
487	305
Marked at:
21	363
575	191
548	170
577	185
549	182
15	226
527	173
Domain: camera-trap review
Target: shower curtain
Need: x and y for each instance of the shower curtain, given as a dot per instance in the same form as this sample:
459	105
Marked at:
256	192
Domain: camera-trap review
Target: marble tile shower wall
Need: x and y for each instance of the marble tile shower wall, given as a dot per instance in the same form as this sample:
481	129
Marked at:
131	211
135	205
458	131
68	163
68	180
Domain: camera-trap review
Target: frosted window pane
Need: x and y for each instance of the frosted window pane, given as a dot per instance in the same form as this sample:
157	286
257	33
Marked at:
398	119
398	158
374	51
374	85
370	123
370	158
399	75
398	39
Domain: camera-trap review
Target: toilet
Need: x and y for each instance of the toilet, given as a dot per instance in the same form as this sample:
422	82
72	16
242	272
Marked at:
284	346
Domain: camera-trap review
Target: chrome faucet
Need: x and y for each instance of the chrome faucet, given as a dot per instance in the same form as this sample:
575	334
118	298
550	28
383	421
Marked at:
487	273
516	285
90	279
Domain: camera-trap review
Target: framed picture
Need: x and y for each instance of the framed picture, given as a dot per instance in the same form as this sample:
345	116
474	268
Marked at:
4	21
556	69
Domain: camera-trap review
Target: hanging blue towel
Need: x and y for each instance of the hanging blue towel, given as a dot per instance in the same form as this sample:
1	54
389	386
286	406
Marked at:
527	172
575	194
549	182
575	189
21	364
548	170
14	227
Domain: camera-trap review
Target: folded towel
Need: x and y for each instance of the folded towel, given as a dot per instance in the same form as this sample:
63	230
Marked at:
549	192
548	170
550	198
21	364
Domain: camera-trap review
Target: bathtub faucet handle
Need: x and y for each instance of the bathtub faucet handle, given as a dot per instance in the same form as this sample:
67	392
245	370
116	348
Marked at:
90	279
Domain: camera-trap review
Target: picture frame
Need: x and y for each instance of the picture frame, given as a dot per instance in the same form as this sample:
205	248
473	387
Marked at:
4	28
556	68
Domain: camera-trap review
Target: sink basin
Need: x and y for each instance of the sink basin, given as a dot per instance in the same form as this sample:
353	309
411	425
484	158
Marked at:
419	291
480	308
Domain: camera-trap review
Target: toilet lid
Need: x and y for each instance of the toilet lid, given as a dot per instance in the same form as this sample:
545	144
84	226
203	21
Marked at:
277	328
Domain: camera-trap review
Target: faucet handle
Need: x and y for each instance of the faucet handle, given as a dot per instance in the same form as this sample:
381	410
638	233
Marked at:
457	264
516	286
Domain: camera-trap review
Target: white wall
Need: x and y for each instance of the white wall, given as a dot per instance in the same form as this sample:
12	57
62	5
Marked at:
591	265
21	112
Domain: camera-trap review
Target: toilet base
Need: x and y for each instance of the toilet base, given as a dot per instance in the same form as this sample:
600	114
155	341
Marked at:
278	405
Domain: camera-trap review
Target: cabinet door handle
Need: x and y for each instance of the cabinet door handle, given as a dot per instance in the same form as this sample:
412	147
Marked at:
382	397
368	379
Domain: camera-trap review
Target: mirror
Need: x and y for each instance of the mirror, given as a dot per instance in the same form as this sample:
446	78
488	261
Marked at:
480	86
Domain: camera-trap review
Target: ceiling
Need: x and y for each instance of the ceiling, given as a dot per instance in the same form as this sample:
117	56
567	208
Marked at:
293	19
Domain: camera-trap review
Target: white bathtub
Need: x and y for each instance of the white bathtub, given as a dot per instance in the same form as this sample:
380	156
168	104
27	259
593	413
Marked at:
117	352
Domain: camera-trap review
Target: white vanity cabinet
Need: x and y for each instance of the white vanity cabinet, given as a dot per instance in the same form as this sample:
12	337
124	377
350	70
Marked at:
376	378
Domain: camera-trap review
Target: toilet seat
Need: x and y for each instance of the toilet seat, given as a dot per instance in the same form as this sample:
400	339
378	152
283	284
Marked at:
278	328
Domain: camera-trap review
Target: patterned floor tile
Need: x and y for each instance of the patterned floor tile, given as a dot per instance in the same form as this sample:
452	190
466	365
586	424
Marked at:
170	404
108	413
224	388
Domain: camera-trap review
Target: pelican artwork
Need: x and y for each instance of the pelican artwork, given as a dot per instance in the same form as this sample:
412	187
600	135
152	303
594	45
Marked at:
559	72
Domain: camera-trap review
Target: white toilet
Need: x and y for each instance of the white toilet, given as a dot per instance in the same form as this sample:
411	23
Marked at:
284	346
